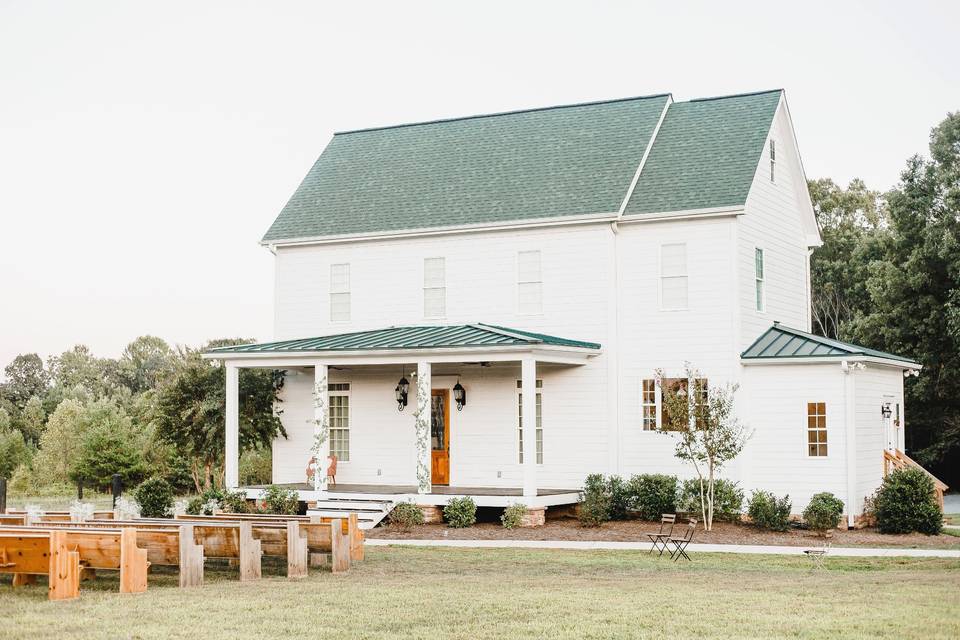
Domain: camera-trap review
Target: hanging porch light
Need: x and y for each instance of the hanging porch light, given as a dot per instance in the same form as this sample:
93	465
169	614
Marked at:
403	387
459	395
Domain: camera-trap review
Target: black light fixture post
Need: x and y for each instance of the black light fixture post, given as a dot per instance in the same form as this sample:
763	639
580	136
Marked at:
459	395
403	387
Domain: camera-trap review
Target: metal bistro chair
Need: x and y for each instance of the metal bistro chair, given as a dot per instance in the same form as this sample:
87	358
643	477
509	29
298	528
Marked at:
818	555
680	543
659	539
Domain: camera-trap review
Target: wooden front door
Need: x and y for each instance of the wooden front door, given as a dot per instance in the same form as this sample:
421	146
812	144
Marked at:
440	436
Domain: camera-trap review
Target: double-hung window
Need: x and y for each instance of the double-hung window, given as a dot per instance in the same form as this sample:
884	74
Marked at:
340	293
655	414
673	277
434	287
816	429
529	283
760	295
339	413
539	420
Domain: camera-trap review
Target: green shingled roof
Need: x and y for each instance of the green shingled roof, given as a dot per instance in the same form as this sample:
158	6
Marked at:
418	337
571	160
705	154
559	161
783	342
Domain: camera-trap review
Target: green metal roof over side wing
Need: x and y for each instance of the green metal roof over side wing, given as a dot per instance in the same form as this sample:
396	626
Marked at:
416	337
523	165
784	342
705	154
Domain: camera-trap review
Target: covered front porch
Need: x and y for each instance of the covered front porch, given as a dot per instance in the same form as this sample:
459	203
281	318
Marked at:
433	441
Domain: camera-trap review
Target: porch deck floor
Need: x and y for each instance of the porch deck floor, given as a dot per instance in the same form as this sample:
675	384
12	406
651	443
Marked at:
396	489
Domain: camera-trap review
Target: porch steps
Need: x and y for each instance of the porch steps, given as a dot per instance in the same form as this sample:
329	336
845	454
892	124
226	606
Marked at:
369	512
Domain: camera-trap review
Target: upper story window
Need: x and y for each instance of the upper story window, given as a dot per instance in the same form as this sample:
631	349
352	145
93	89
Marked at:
340	293
434	287
761	299
529	283
817	429
773	160
673	277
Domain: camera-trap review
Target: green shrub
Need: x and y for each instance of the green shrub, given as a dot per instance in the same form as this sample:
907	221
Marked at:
281	500
195	506
595	501
652	495
460	512
212	493
155	498
405	515
620	498
14	452
513	515
770	512
727	499
256	466
108	448
823	512
234	502
906	502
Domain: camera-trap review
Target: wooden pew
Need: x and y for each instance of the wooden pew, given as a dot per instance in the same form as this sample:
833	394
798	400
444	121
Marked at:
7	519
172	545
219	539
330	537
350	526
61	516
27	554
112	549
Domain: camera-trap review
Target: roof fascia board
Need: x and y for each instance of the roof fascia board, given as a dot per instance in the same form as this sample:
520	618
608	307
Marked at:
711	212
643	158
802	191
888	362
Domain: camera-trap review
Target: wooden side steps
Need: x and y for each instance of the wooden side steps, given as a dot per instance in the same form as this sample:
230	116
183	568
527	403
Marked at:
896	459
369	512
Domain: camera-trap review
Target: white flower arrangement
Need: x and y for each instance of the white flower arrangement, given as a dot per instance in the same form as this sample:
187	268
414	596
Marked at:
126	509
81	511
179	507
211	507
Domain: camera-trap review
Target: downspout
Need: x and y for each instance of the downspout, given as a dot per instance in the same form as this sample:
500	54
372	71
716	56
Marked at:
613	366
850	444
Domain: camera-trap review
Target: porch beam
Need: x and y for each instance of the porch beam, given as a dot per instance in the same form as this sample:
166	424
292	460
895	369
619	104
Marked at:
321	428
528	383
422	427
231	458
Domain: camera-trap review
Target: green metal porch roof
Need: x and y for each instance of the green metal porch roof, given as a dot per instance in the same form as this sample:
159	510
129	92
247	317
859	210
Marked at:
416	337
784	342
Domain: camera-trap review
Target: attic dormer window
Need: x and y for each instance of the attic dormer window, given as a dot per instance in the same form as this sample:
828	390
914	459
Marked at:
773	160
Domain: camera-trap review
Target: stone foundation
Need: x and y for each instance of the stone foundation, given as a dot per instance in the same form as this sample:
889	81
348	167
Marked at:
534	517
432	514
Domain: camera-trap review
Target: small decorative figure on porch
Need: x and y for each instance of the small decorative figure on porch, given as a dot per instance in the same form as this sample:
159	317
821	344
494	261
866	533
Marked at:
331	468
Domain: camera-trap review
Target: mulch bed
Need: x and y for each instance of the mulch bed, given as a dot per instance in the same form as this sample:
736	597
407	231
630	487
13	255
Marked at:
635	530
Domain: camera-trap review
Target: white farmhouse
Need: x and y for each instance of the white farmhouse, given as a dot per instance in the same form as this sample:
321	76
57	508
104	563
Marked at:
477	306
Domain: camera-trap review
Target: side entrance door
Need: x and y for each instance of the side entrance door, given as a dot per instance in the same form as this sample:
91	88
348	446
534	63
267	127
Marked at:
440	436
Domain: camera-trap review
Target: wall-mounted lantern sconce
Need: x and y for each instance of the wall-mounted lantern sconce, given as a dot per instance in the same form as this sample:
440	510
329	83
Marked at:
885	411
459	395
401	392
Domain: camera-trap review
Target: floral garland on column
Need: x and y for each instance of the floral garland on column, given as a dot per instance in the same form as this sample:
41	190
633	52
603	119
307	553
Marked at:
422	416
321	432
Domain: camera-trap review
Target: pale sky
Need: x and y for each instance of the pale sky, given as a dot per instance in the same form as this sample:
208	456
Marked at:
145	147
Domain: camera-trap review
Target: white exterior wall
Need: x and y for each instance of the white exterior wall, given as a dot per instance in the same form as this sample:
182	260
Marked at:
874	386
773	223
775	458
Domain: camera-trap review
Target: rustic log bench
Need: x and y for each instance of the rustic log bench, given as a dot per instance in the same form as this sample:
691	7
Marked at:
172	545
293	539
111	549
28	554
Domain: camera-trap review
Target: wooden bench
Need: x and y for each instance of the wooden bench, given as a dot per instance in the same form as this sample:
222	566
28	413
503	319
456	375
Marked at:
60	516
111	549
172	545
13	518
294	539
27	554
350	525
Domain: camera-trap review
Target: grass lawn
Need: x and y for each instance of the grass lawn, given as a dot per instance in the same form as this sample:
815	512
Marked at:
952	518
482	593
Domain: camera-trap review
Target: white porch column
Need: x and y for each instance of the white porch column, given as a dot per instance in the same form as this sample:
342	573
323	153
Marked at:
422	424
231	458
321	427
528	382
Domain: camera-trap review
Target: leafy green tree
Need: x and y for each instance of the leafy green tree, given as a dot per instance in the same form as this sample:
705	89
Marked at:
78	367
189	412
32	420
26	378
145	361
59	444
13	452
110	446
914	295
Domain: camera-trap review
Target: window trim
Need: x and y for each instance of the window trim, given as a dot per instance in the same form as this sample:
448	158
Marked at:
760	277
519	428
807	430
331	392
442	288
522	281
658	395
685	276
338	292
